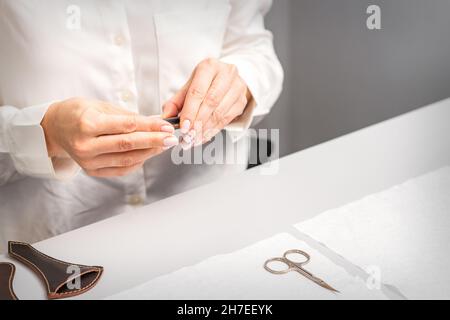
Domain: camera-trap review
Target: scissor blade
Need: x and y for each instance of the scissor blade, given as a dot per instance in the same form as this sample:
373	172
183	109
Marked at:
325	285
316	280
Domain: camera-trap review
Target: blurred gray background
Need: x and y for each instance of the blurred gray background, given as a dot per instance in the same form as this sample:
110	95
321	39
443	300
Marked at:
341	77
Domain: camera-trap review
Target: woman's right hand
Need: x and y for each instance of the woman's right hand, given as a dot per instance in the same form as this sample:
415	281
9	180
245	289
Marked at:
105	140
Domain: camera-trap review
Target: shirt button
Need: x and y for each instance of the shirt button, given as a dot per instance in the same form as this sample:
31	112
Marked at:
135	200
127	96
119	40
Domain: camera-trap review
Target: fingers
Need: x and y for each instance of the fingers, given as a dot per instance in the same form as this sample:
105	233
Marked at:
173	107
108	108
118	155
133	141
231	106
119	160
223	82
170	109
234	112
213	97
204	75
113	172
118	124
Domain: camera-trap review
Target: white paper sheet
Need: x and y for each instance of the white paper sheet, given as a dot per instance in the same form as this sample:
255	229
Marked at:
240	275
404	232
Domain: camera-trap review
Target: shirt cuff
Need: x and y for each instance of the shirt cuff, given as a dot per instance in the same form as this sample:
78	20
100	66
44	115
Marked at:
238	127
255	108
28	149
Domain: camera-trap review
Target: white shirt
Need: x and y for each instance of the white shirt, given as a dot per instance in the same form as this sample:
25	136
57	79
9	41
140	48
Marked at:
133	53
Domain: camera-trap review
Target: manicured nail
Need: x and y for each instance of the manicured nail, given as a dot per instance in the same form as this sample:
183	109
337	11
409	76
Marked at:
187	138
185	127
185	145
167	128
170	141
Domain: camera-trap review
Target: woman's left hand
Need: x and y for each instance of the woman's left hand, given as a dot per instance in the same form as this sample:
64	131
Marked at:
213	97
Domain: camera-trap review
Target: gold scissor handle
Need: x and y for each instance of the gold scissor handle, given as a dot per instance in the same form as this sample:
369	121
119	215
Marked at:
299	252
278	259
291	265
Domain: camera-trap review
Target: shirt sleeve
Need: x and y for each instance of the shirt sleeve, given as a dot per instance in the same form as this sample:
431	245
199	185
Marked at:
249	46
23	149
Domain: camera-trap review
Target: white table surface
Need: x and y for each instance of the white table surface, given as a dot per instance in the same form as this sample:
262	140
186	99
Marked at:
235	212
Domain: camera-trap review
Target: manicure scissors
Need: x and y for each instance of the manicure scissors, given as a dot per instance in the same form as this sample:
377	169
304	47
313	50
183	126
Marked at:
297	267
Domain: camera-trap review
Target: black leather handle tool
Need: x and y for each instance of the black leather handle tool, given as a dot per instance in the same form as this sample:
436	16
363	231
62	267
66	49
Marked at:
7	271
62	279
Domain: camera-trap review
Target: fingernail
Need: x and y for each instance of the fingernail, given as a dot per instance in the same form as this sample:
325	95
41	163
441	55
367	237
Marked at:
185	127
187	139
170	141
185	145
167	128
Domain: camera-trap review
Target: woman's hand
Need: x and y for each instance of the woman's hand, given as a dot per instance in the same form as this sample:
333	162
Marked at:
103	139
212	98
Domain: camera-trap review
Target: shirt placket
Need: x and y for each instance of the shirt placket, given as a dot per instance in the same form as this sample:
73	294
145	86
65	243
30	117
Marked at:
123	84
